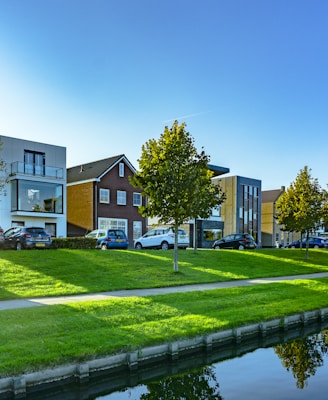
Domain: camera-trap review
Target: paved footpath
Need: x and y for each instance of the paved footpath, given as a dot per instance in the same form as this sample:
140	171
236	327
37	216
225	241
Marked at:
44	301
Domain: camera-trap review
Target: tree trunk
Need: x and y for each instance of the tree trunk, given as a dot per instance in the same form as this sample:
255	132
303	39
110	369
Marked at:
307	246
176	233
195	234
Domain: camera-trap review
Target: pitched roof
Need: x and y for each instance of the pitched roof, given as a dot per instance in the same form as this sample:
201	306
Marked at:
271	196
95	170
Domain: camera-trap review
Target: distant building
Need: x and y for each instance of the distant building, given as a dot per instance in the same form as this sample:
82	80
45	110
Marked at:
241	211
35	194
272	235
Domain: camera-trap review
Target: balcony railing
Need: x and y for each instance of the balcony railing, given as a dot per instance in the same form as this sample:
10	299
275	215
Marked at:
22	168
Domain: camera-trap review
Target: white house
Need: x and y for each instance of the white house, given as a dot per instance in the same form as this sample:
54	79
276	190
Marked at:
36	191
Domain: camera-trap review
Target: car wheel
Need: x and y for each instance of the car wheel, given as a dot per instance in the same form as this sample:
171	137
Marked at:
217	247
292	247
241	247
19	246
315	246
103	246
138	246
164	246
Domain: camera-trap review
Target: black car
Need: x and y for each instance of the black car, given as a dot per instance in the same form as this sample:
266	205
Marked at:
20	237
239	241
314	243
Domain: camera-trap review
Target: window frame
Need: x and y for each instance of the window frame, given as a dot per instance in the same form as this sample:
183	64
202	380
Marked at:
121	197
103	198
121	168
139	196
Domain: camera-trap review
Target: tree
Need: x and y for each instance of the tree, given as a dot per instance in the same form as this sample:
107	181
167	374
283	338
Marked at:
176	180
303	207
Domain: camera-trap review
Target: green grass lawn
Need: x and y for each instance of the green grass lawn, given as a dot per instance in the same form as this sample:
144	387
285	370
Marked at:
63	272
36	338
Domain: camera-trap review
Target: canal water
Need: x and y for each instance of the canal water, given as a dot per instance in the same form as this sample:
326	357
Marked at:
290	365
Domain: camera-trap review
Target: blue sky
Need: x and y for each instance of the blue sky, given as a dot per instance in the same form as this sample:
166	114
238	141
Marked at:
101	77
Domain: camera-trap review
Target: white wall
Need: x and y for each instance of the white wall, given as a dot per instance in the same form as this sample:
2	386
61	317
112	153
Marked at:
55	156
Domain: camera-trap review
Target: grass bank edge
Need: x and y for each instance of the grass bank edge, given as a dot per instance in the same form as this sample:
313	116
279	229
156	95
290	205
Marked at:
44	337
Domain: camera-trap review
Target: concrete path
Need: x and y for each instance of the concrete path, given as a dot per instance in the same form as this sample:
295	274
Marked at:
43	301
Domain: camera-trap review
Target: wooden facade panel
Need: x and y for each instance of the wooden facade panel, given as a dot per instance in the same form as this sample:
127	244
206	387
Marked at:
80	205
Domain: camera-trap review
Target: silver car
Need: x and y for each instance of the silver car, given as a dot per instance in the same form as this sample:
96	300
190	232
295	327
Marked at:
162	238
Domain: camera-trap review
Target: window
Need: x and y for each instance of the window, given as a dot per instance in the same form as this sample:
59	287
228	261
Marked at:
137	199
36	196
137	229
121	169
34	162
121	198
113	223
104	196
51	229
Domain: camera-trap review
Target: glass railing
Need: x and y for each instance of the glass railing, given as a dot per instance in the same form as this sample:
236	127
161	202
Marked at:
18	167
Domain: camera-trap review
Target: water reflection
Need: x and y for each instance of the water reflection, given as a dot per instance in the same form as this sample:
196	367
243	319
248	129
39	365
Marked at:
276	367
303	357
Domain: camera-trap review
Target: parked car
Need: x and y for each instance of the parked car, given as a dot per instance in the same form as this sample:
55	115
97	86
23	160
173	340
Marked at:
97	233
113	239
162	238
238	241
315	242
20	237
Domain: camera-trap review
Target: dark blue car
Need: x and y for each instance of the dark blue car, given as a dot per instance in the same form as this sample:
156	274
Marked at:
314	243
113	239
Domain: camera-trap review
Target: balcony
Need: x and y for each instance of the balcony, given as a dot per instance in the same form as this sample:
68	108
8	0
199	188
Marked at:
22	168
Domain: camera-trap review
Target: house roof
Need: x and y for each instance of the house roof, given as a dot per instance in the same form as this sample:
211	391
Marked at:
96	169
271	196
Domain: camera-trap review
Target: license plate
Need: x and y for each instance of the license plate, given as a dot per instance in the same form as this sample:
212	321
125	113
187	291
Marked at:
119	240
40	244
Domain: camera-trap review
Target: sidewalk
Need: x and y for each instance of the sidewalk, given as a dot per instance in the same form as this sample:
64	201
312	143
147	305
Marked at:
44	301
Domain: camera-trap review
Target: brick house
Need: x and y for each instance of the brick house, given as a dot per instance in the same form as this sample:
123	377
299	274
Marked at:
100	196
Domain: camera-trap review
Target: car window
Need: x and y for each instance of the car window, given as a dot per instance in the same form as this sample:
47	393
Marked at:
150	233
228	238
238	237
35	230
12	231
120	234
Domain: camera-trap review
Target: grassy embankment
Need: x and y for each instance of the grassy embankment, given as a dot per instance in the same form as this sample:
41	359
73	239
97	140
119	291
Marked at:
35	338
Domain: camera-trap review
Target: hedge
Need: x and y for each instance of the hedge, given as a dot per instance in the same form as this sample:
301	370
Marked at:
73	243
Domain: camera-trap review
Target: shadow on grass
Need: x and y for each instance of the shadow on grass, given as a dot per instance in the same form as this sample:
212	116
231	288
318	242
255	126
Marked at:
63	272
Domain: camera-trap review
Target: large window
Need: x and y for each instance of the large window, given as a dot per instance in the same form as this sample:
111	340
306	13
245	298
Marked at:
113	223
36	196
248	221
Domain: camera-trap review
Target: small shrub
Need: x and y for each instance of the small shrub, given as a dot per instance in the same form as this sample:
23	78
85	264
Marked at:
73	243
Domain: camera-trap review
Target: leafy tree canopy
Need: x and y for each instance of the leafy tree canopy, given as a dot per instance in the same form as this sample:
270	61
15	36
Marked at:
176	179
303	207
